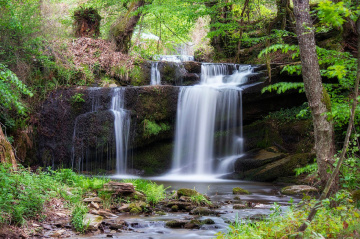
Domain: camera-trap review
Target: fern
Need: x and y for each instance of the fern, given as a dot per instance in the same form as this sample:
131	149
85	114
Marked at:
282	87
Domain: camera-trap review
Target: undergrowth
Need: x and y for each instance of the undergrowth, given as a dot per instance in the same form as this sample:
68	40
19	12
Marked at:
329	222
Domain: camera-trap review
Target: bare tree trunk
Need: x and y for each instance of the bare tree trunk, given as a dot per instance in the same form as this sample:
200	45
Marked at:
123	29
319	100
6	152
313	211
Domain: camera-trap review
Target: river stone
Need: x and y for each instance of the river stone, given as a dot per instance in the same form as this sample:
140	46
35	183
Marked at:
124	208
176	223
208	221
92	221
203	211
58	233
180	205
298	189
190	225
239	206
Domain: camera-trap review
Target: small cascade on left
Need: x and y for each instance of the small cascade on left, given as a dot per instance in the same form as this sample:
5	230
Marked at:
101	136
155	74
122	129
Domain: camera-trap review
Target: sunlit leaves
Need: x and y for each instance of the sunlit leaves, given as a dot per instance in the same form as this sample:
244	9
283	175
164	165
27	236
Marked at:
332	13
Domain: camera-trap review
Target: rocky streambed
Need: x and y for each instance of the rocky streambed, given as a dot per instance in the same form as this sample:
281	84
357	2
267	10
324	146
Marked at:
191	210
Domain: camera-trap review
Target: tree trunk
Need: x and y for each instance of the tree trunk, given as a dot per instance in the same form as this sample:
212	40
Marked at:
319	100
6	152
123	29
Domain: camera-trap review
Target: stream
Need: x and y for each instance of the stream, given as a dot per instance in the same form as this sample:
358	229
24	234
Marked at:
263	195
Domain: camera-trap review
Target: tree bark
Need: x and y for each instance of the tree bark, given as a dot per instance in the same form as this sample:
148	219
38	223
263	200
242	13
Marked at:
6	153
123	29
319	100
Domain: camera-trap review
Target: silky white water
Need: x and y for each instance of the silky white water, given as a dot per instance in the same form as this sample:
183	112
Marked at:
155	74
208	137
122	129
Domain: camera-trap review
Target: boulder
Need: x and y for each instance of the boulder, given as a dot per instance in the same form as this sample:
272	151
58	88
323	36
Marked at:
58	233
208	221
187	192
298	189
239	206
94	205
202	211
92	221
106	214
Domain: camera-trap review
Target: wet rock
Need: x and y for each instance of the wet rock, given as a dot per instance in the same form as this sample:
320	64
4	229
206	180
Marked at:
238	190
94	205
237	198
175	223
118	187
239	206
92	199
60	214
106	214
257	217
208	221
180	205
47	226
298	189
160	213
138	196
203	211
58	233
186	192
191	226
185	199
134	211
93	221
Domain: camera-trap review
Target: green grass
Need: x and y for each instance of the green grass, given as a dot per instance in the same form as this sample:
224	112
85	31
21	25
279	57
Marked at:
154	192
23	193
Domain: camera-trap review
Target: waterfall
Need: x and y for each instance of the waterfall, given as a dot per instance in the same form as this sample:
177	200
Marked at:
122	129
92	151
155	74
208	137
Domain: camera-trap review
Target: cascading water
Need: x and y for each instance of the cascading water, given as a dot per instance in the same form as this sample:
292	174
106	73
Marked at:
90	151
122	129
208	134
155	74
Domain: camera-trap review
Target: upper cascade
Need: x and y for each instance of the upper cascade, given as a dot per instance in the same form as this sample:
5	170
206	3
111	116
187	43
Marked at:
174	58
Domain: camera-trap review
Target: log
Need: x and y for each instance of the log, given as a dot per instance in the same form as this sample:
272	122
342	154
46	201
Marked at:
118	187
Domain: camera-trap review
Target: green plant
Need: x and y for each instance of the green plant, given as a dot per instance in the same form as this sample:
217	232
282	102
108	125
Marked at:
154	192
200	200
77	219
152	128
77	98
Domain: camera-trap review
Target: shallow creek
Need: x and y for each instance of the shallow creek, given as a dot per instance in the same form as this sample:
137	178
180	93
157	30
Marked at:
263	195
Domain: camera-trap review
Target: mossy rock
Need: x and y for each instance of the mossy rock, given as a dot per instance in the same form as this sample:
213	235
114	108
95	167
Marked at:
202	211
187	192
175	223
135	210
298	189
208	221
356	195
175	208
240	191
161	213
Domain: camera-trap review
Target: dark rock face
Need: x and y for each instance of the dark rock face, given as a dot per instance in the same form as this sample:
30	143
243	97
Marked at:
152	110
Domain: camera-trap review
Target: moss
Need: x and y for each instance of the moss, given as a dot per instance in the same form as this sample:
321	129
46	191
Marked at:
135	211
160	213
187	192
175	224
208	221
137	76
326	100
175	208
203	211
238	190
196	222
152	128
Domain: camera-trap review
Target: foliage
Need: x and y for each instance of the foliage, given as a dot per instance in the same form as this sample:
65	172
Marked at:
292	114
77	219
152	128
77	98
200	199
154	193
11	89
328	223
